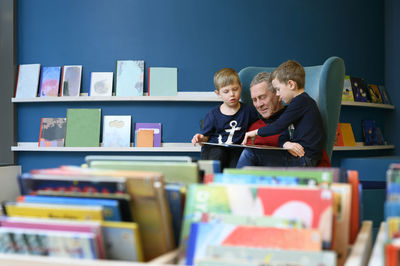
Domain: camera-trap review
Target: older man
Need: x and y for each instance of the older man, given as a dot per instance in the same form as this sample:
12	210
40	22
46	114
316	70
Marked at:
270	107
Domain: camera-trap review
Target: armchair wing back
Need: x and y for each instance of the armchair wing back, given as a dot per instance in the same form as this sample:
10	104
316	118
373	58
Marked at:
324	83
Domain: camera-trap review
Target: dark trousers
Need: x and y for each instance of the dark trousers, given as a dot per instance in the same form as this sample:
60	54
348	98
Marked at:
227	156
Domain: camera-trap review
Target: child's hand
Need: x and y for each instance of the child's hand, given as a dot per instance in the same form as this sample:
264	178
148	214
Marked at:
199	138
250	135
294	148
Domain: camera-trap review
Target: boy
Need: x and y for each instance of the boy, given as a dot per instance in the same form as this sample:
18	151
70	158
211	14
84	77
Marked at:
301	124
227	123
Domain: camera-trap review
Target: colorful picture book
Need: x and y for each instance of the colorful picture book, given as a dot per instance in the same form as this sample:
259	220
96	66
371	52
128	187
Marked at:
163	81
129	78
385	95
359	90
59	211
52	132
347	134
143	138
111	211
48	243
27	81
101	84
374	93
83	128
122	240
117	131
71	80
50	81
369	132
258	256
204	234
347	94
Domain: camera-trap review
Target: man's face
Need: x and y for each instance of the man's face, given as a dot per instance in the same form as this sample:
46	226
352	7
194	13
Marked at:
265	101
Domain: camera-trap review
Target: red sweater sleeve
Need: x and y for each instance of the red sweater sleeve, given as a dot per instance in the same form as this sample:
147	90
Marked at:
269	140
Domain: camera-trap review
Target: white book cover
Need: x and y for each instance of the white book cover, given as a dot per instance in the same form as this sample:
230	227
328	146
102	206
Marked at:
129	78
163	81
117	131
101	84
71	80
28	81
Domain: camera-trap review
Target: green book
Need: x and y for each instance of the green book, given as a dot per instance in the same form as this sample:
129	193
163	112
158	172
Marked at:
83	128
163	81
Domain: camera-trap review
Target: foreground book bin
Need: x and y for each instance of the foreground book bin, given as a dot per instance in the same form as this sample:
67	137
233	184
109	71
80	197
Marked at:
361	250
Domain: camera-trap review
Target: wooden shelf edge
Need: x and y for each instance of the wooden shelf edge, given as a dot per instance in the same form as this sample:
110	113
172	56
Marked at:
373	105
166	147
361	147
190	96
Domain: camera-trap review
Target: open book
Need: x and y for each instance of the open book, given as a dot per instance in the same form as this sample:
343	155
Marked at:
264	147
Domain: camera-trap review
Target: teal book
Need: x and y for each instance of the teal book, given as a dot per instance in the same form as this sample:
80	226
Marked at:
83	128
163	81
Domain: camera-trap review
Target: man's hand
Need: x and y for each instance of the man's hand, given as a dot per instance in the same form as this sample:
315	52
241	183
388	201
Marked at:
294	148
250	135
199	138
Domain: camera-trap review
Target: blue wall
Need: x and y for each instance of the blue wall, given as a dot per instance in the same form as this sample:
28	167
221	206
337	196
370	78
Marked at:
197	37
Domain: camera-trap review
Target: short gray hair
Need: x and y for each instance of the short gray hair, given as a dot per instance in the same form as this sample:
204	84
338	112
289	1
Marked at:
262	77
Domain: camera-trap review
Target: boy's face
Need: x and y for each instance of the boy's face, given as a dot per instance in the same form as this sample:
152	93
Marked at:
230	94
286	92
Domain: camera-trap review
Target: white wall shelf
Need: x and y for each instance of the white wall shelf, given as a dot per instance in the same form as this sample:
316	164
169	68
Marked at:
192	96
361	147
373	105
166	147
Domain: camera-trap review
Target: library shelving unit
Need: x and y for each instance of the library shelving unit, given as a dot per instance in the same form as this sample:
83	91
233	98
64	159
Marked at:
360	145
166	147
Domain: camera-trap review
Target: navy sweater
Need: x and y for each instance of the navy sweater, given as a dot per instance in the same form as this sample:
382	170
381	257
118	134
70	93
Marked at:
304	115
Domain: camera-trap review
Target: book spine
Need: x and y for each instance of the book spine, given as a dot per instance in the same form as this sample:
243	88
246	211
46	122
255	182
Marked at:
60	93
40	133
16	85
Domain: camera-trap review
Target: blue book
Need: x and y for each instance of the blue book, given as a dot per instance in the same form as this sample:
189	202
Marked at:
254	179
174	198
111	209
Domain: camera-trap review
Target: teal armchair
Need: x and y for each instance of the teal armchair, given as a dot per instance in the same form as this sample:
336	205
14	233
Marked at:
324	83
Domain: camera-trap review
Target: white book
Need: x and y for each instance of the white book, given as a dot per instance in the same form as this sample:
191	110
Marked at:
129	78
117	131
101	84
71	80
28	81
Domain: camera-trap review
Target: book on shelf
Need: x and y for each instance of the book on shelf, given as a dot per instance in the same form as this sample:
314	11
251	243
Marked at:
338	137
258	256
352	179
101	84
385	95
359	90
143	138
122	240
117	131
347	94
50	81
59	211
111	210
52	132
374	93
71	80
163	81
347	134
129	78
58	225
174	172
83	127
27	81
369	132
205	234
48	243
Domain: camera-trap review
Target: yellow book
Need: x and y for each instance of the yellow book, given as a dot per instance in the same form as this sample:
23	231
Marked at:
347	134
122	240
347	95
72	212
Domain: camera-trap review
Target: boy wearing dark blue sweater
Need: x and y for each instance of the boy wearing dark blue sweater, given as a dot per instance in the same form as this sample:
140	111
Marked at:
301	124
